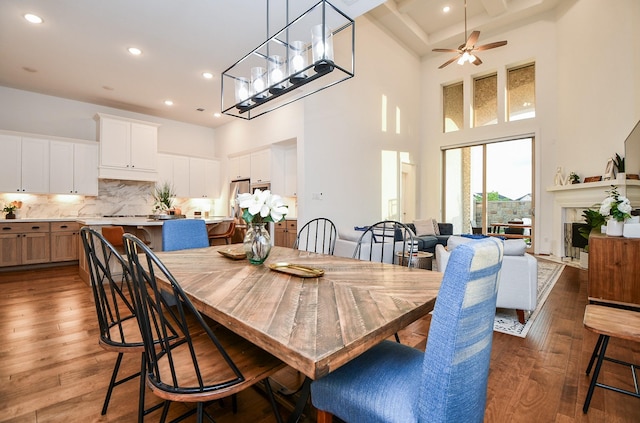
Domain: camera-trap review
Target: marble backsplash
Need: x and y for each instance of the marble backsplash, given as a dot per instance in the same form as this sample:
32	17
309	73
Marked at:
115	197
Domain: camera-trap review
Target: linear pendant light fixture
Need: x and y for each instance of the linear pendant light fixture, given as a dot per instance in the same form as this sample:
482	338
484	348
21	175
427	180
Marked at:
279	72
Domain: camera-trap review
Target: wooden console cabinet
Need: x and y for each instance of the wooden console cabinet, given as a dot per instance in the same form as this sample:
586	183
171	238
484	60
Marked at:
614	270
286	232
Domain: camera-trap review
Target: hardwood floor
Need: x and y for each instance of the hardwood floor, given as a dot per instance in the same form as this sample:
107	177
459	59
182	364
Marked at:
53	370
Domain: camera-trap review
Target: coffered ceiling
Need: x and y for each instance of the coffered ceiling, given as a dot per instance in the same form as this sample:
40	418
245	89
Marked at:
80	50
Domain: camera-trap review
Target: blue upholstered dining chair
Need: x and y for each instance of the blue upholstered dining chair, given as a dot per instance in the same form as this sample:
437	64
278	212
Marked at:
448	382
181	234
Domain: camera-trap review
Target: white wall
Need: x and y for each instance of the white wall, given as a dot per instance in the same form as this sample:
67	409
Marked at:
338	131
26	111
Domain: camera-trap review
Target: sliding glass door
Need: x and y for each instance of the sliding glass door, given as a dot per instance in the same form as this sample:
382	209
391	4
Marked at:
488	188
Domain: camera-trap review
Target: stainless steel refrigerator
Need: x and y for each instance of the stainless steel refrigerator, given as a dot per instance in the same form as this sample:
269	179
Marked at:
239	186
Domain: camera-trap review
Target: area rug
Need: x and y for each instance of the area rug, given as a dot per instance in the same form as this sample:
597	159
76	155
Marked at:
506	320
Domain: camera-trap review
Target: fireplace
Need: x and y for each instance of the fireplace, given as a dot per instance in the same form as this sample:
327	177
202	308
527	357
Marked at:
569	201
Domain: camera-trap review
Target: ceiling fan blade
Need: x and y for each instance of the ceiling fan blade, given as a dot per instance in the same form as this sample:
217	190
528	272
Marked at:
448	62
491	45
446	50
477	62
473	38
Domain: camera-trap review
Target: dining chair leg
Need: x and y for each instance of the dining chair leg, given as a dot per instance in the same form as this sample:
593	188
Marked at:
141	411
596	373
272	400
324	417
112	383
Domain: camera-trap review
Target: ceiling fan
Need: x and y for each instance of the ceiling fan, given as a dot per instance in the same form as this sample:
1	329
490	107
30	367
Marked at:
465	51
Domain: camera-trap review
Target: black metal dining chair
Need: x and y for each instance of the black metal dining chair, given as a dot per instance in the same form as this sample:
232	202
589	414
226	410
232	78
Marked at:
318	236
112	289
207	362
387	241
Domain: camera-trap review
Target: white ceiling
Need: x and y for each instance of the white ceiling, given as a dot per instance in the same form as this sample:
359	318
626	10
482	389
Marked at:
79	52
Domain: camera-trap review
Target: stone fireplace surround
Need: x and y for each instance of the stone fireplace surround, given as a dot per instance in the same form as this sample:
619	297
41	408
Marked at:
569	201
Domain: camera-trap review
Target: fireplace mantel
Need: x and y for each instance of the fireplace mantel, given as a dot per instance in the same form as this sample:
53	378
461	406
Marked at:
569	200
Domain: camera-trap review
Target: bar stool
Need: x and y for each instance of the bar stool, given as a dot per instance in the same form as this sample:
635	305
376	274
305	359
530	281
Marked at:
610	322
113	234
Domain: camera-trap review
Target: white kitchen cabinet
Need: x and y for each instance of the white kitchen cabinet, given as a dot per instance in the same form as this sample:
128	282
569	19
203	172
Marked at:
128	148
73	168
174	170
204	178
261	166
24	164
240	167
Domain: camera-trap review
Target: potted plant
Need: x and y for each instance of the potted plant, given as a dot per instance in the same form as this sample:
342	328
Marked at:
593	220
574	178
163	198
10	209
618	162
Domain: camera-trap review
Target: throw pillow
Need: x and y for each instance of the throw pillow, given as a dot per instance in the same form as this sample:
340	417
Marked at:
515	247
426	227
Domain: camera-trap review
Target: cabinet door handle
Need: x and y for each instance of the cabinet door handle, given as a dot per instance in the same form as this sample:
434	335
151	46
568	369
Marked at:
63	226
35	227
6	228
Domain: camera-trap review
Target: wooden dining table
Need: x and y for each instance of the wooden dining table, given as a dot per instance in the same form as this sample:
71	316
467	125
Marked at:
313	324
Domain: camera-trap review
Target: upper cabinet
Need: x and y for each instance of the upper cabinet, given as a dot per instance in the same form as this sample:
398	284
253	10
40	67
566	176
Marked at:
204	178
73	168
261	166
24	164
240	167
174	170
128	148
190	177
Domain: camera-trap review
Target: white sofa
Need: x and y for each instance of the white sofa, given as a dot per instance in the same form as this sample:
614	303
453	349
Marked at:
518	282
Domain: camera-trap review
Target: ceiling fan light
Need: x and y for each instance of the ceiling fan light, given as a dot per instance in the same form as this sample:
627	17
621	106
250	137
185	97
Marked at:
471	58
463	58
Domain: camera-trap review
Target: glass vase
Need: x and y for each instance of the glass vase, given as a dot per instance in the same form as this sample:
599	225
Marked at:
614	227
257	243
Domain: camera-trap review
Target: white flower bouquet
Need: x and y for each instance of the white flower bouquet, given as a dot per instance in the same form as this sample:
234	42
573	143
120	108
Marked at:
262	206
616	206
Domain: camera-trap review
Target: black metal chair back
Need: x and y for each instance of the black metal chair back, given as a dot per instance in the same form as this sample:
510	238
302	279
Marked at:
112	289
387	241
194	367
318	236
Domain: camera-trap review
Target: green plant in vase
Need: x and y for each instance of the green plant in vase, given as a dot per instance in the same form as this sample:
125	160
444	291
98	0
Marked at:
594	220
163	197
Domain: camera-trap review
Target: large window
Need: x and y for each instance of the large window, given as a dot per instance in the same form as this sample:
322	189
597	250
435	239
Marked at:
453	107
485	100
489	184
517	86
521	90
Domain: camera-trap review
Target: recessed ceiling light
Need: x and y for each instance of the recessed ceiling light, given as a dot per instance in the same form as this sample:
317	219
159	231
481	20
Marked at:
168	102
33	18
216	115
207	75
446	9
135	51
200	109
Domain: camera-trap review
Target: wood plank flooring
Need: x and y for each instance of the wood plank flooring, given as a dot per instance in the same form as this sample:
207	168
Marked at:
52	369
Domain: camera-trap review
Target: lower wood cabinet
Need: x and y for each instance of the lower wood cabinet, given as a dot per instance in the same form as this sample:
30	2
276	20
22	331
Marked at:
286	232
614	270
65	238
24	243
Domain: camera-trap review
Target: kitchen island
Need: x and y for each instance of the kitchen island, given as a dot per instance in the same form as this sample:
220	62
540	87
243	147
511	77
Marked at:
27	243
